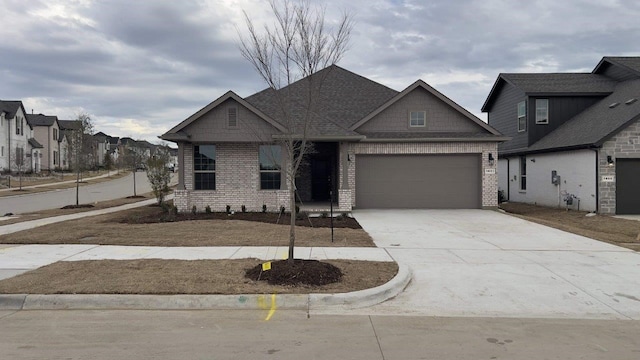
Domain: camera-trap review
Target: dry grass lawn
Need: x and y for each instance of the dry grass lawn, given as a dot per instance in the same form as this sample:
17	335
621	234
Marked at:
108	230
152	276
621	232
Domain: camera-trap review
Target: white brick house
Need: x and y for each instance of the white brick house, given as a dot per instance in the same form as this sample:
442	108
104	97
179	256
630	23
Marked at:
374	147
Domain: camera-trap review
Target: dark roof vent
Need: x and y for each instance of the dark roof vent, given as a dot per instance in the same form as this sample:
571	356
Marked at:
631	101
611	106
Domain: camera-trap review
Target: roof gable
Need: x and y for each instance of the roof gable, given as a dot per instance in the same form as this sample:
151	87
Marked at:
422	85
11	107
629	64
175	132
41	120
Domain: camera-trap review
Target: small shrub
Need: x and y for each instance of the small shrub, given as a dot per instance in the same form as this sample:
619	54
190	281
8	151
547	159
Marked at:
228	209
243	208
342	216
297	209
301	215
324	215
174	210
264	208
501	197
194	210
282	209
207	209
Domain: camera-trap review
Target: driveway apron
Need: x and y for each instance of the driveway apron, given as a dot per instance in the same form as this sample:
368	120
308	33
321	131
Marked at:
486	263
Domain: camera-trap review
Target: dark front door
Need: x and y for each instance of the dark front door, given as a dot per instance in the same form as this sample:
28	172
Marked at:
321	178
627	189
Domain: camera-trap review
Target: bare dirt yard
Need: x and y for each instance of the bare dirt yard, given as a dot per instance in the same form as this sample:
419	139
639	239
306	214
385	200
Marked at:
621	232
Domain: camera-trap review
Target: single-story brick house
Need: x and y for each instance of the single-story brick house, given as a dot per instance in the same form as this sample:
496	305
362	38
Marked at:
374	147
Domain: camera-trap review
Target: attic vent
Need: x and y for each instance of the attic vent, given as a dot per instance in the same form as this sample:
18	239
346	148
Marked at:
631	101
611	106
232	117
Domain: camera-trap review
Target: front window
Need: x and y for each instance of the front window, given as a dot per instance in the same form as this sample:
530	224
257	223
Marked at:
270	164
204	166
55	134
542	111
522	116
523	173
418	119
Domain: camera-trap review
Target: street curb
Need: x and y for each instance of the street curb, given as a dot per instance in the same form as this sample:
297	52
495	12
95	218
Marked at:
356	299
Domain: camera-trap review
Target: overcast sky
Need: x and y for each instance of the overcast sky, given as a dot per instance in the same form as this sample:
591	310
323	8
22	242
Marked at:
140	67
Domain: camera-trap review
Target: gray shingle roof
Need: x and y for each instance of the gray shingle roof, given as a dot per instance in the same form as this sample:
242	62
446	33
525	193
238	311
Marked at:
597	123
561	83
345	98
629	62
35	144
41	120
10	107
428	135
69	124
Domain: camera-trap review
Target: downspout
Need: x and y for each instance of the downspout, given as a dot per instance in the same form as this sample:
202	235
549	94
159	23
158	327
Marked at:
508	179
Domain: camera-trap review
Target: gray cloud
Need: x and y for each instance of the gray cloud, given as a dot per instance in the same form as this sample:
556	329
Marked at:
153	63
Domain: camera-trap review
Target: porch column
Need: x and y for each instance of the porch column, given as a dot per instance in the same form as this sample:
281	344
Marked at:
344	165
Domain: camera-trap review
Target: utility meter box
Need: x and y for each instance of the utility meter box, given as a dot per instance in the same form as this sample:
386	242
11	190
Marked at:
555	178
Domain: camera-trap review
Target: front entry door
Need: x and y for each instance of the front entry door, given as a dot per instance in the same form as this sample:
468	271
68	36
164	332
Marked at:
321	179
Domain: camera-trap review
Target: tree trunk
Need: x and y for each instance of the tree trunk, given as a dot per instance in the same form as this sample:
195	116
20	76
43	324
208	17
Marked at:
134	182
292	204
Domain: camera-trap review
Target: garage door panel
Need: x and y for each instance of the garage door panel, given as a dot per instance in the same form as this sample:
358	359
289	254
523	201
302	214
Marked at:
418	181
627	186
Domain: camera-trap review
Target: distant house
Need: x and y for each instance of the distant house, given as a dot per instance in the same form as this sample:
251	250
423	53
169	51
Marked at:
19	151
47	132
373	147
575	137
66	129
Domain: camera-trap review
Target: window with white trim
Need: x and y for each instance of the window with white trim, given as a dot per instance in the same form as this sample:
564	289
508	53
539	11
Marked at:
523	173
204	167
270	159
418	119
522	116
542	111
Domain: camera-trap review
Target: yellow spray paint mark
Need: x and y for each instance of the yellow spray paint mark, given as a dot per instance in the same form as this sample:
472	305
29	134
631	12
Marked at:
273	307
266	266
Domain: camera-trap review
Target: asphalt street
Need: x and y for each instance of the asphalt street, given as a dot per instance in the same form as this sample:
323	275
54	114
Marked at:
88	194
292	335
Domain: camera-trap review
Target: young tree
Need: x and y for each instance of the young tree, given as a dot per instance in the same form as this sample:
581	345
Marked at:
297	46
159	174
108	162
80	148
134	157
21	161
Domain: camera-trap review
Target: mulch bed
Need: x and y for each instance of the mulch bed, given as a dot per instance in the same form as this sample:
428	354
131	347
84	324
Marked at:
81	206
298	272
153	214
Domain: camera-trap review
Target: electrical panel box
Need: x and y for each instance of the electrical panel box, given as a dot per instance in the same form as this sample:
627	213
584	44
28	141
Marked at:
555	178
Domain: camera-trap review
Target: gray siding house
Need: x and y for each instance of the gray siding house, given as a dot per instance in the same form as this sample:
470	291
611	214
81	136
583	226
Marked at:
575	137
373	147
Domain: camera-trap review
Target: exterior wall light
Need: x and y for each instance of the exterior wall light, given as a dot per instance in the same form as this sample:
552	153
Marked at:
609	160
491	159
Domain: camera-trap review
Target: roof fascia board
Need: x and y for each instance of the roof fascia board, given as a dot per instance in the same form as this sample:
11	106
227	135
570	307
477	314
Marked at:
452	139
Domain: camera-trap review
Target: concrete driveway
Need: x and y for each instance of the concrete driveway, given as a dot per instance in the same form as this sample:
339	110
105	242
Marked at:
485	263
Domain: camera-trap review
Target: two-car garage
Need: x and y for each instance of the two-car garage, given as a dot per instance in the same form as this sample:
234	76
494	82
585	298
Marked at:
452	181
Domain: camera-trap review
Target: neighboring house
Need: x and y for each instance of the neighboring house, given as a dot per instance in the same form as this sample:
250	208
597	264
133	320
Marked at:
17	145
66	129
47	132
101	148
575	136
374	147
